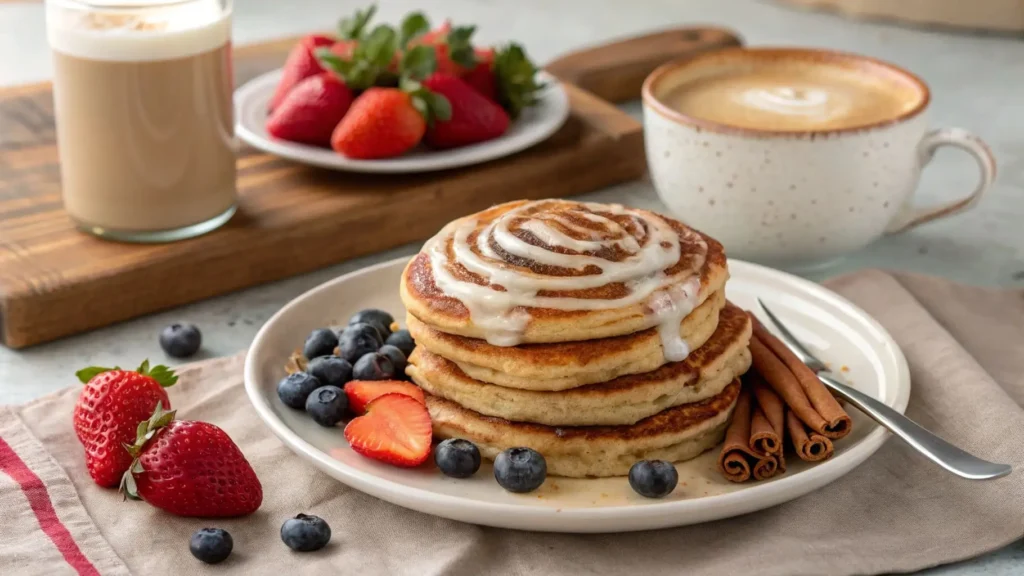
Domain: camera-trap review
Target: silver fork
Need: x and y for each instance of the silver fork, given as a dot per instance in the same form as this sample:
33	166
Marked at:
928	444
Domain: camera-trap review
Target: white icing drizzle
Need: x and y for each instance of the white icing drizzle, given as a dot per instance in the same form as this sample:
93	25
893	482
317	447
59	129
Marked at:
504	314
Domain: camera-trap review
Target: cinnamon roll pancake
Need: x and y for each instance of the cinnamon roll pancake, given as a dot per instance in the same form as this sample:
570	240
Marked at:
561	271
565	365
675	434
625	400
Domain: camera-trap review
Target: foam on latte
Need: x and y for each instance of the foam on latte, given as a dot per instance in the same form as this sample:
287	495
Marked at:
788	95
136	34
540	254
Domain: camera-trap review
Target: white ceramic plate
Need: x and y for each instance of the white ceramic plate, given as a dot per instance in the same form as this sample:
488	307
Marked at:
834	329
534	125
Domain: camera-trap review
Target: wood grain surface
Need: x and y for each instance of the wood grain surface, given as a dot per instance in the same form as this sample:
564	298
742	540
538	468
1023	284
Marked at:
56	281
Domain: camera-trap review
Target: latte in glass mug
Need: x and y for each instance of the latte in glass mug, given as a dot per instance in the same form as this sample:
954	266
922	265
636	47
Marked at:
143	103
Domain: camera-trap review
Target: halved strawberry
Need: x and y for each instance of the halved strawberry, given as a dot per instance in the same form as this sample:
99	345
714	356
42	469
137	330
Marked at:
395	429
362	392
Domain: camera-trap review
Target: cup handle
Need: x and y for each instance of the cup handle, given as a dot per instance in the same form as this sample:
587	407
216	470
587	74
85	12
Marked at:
912	215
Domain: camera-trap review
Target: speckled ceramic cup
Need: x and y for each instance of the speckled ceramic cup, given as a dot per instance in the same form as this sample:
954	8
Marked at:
796	197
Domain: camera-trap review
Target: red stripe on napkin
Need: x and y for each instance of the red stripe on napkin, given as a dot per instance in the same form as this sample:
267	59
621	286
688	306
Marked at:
39	500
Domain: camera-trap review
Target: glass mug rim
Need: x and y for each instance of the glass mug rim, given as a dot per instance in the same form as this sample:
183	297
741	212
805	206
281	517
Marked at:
127	5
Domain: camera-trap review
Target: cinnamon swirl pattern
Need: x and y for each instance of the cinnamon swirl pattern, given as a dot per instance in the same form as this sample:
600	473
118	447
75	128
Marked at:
557	271
556	317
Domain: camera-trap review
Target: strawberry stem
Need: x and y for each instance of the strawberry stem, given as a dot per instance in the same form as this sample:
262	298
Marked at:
143	434
352	28
163	375
516	77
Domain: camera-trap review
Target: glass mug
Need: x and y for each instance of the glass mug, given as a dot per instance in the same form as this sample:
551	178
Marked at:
143	106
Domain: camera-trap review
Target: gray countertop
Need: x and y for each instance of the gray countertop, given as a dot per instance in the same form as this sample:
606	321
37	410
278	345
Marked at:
977	82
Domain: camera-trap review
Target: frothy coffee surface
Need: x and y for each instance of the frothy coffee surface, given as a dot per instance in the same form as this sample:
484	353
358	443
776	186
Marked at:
787	96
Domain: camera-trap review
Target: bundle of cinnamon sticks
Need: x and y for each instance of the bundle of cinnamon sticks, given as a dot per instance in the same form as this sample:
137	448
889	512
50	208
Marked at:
781	399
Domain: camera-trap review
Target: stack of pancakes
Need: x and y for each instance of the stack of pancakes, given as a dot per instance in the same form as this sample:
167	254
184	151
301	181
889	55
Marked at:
580	375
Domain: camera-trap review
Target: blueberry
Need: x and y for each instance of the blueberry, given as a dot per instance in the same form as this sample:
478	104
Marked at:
181	340
402	340
211	545
327	405
357	340
373	366
396	356
320	343
379	319
520	469
293	389
330	370
457	458
305	533
653	478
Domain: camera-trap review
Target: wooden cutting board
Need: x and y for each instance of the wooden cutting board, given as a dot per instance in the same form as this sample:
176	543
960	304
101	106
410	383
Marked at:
55	281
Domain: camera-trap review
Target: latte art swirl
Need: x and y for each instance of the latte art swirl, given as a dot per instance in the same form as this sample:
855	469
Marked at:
570	256
810	101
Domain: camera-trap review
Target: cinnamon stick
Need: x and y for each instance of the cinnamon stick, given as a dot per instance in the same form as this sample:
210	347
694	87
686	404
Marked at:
774	411
738	461
808	444
832	421
782	381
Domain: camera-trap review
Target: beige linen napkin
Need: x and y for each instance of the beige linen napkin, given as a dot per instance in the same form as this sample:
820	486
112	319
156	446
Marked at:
896	512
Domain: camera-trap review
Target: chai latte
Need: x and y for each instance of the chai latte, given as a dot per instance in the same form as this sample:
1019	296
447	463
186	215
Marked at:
791	95
145	127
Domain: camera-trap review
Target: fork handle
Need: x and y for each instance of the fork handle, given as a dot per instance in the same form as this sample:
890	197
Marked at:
928	444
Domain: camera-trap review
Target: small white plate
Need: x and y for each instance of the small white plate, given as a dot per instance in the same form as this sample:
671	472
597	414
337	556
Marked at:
534	125
836	330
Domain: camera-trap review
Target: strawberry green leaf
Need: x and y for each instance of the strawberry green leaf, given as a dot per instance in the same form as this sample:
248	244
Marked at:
128	489
460	50
421	106
418	63
333	62
415	24
516	78
440	107
379	47
407	84
163	375
86	374
144	367
352	28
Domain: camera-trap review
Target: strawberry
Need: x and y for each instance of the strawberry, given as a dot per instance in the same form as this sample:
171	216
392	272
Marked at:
301	64
395	429
435	36
311	110
190	468
362	392
452	47
108	411
344	49
474	118
382	123
481	77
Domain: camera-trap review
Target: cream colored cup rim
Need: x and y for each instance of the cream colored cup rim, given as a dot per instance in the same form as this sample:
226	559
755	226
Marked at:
771	53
